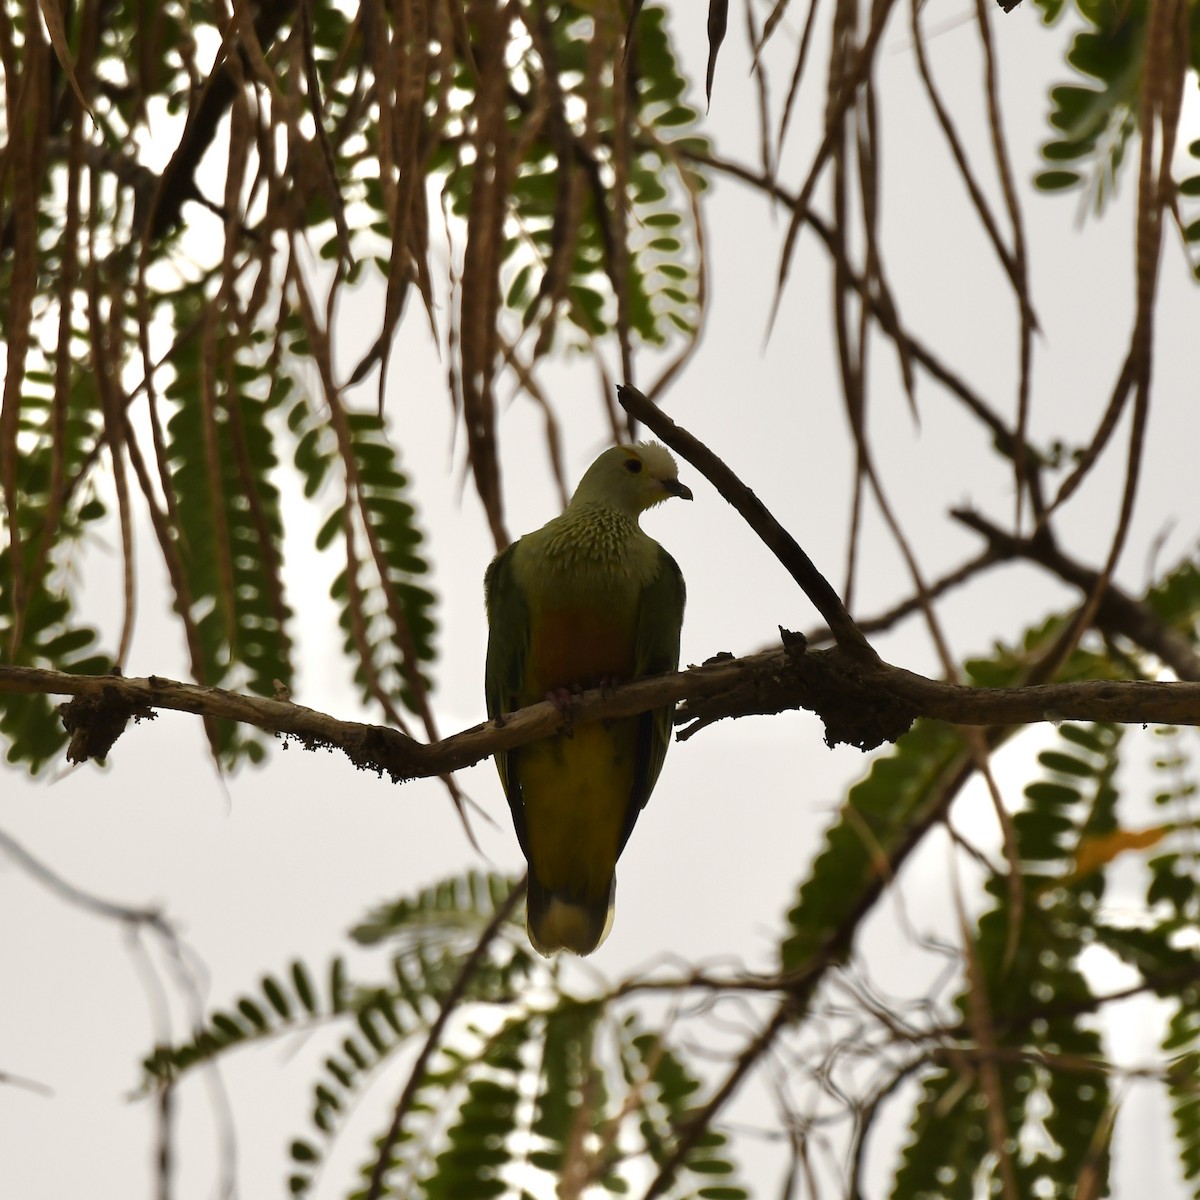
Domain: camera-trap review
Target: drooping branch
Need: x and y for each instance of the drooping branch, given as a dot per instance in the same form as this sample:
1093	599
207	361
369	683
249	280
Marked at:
908	346
861	704
178	182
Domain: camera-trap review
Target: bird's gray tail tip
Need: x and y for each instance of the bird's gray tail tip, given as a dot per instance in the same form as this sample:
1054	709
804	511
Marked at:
560	922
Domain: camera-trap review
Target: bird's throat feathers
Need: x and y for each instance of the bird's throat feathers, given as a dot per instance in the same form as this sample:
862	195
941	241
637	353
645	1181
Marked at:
587	549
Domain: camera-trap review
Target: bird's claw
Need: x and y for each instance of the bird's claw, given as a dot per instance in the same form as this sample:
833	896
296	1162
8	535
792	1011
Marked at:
609	684
564	698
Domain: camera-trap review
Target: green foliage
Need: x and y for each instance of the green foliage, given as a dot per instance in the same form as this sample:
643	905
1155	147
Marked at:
476	1148
1175	598
1162	949
223	455
438	910
196	303
899	790
367	1024
1189	188
433	937
1028	945
667	1090
1049	1067
1093	125
386	616
40	618
558	252
220	462
1094	119
571	1091
904	790
525	1084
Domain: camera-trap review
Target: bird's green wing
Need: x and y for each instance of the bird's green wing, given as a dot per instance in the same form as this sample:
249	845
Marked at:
660	619
507	655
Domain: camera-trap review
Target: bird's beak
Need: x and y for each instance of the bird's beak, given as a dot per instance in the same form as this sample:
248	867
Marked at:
674	488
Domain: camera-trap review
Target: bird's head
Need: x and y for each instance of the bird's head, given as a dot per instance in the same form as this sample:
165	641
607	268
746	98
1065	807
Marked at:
631	479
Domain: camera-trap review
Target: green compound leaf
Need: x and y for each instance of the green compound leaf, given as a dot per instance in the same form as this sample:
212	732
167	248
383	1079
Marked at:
1093	120
457	907
559	267
901	792
1176	599
898	790
666	1090
221	461
1038	1001
39	614
385	610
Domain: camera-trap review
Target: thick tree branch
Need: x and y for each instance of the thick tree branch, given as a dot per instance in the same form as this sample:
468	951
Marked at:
862	704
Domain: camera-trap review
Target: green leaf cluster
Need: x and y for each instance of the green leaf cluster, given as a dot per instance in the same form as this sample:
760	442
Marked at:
1036	1001
669	1089
1049	1066
221	462
902	792
1094	119
199	304
525	1085
899	791
565	217
44	619
386	615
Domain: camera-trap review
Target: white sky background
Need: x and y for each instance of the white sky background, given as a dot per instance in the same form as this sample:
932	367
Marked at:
277	863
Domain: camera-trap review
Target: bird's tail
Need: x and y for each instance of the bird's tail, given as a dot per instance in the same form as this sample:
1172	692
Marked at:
557	921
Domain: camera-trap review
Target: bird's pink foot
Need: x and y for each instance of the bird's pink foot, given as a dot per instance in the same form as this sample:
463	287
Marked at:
563	699
609	683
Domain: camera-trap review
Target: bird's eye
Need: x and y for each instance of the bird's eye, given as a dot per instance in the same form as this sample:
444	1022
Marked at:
633	465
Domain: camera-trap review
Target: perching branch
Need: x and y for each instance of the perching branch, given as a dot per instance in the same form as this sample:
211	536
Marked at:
862	704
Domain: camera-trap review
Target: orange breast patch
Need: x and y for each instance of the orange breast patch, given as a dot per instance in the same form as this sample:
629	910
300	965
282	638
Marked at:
579	647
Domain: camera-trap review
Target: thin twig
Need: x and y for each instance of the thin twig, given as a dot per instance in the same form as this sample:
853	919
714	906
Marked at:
773	535
1117	612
